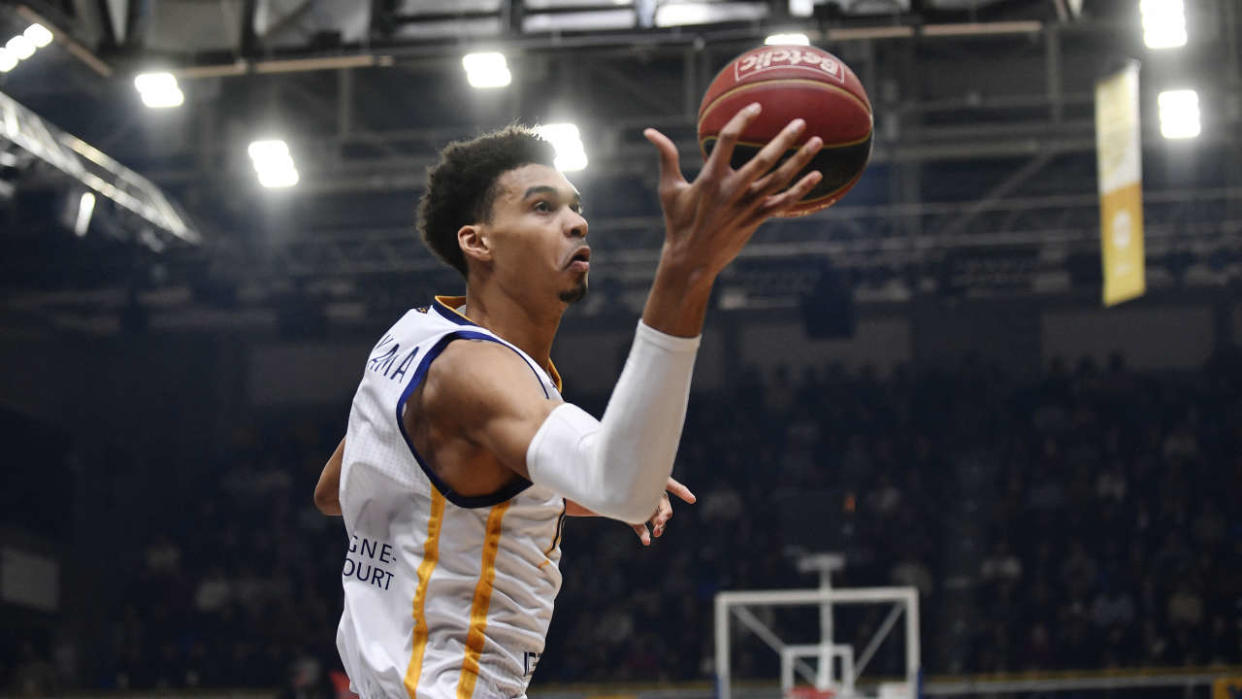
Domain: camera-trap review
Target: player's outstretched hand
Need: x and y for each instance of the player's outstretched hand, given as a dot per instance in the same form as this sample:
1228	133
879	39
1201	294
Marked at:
711	219
664	512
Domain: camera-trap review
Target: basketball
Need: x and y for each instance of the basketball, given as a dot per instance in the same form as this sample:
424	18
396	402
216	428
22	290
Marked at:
793	82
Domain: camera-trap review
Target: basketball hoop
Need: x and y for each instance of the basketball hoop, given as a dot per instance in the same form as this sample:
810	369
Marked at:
810	693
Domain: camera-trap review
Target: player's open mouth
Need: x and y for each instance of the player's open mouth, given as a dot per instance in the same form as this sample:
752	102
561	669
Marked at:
581	260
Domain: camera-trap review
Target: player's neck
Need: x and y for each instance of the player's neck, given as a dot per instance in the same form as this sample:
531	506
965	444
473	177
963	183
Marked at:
530	329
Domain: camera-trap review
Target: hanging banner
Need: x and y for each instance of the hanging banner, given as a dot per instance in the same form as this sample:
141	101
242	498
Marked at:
1119	154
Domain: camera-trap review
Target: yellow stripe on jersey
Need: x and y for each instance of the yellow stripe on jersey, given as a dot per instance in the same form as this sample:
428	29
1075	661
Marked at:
554	375
482	600
431	552
560	527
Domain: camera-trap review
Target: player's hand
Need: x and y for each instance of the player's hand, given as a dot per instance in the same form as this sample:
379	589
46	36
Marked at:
709	221
663	513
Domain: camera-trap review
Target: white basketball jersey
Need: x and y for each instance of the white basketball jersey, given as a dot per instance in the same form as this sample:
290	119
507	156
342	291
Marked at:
445	595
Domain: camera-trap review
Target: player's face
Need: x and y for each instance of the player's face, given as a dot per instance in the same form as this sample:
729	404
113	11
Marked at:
538	234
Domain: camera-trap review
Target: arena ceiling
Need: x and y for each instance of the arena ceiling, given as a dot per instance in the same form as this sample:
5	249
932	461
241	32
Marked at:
982	179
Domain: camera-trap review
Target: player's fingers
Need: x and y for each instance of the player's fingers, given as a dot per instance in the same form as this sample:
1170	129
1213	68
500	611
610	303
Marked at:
663	514
658	530
722	153
643	535
676	488
777	203
783	175
670	162
770	155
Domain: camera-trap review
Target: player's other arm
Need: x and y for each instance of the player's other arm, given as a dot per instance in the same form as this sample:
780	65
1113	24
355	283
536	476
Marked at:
484	391
328	489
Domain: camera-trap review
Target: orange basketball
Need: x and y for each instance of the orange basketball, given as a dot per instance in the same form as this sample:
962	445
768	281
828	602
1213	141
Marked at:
795	82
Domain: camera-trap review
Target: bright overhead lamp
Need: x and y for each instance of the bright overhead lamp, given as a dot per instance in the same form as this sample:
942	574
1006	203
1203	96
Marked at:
155	82
269	152
801	8
793	39
689	13
38	35
1164	23
1179	114
159	90
278	179
86	206
163	100
567	140
486	69
678	15
21	47
273	163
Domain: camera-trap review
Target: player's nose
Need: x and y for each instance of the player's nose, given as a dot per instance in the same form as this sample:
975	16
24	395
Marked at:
576	226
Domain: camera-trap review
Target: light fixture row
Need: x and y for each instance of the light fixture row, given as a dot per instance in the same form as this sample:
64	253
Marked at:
1164	27
23	46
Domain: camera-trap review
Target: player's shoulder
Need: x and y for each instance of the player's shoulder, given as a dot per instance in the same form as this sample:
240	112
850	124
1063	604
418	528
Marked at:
477	354
472	369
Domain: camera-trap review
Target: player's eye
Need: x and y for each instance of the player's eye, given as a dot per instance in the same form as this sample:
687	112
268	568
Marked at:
543	206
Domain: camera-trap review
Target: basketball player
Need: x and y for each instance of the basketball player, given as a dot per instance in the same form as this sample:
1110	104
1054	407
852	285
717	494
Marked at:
461	458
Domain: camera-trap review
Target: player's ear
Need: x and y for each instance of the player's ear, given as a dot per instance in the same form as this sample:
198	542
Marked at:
474	243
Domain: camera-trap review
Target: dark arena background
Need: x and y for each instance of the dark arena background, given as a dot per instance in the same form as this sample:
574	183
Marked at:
930	460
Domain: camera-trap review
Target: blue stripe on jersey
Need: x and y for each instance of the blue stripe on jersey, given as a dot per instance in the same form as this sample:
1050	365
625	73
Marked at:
450	314
469	501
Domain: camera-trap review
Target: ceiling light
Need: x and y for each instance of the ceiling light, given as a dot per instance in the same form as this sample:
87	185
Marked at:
86	206
20	47
567	140
38	35
487	69
1164	23
1179	114
279	179
794	39
159	90
273	163
801	8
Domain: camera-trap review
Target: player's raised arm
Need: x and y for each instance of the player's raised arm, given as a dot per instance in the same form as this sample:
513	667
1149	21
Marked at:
619	466
708	222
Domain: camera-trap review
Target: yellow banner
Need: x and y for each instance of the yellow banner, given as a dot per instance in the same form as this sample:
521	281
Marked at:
1119	155
1121	233
1227	688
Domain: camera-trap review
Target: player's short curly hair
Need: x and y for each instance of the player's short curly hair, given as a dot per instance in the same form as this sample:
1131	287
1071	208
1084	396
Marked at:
462	187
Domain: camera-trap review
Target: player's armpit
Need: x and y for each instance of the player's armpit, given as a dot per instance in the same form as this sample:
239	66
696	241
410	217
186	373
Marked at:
327	490
487	393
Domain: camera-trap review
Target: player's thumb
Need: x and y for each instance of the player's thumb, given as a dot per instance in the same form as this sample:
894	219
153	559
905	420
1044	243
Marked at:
670	164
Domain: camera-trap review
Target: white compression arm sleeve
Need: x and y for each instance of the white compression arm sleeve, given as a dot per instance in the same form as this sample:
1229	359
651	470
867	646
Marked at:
618	467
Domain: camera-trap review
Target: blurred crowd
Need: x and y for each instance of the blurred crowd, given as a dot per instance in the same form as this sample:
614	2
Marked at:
1089	518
